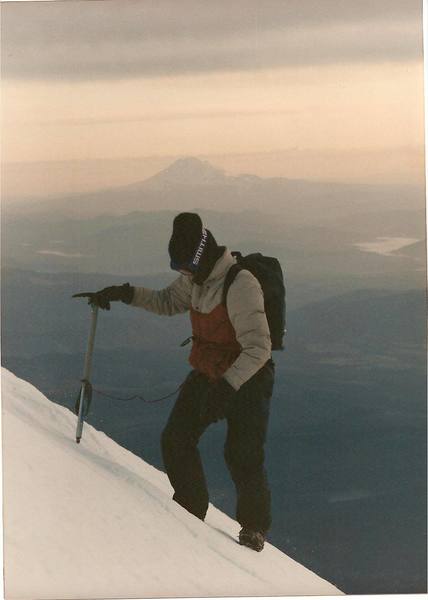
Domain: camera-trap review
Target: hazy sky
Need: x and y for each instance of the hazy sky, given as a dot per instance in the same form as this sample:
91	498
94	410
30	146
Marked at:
316	89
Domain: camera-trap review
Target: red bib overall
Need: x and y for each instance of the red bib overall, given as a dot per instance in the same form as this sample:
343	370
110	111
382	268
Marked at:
215	347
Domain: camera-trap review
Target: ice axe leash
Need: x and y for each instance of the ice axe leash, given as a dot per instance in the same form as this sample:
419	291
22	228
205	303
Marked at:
85	394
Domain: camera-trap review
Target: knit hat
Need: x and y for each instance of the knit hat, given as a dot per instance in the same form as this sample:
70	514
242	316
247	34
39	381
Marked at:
192	247
187	242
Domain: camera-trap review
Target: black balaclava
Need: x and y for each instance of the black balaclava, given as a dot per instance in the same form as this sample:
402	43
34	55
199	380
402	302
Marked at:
192	247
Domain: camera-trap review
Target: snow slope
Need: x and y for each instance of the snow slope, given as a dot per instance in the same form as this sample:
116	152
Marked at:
95	521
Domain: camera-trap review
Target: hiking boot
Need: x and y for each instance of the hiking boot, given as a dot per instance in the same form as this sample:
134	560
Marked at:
252	539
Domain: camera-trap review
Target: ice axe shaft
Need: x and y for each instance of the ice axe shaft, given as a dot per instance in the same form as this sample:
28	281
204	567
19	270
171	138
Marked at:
86	372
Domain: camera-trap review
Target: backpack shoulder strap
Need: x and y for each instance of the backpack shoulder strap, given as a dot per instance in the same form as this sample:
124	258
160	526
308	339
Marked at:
229	279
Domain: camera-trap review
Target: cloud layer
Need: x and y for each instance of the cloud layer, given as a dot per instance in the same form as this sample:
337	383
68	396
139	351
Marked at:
114	39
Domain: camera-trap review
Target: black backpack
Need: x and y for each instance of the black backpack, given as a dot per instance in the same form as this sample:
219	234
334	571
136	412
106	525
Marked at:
269	274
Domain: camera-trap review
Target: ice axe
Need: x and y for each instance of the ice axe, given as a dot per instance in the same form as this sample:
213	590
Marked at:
84	398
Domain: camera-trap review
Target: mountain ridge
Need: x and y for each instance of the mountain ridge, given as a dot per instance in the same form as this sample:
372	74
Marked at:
189	182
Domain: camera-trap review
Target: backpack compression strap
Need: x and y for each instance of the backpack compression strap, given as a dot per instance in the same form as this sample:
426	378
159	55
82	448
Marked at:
229	279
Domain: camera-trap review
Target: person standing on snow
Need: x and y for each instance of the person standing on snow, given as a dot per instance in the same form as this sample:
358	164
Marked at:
232	376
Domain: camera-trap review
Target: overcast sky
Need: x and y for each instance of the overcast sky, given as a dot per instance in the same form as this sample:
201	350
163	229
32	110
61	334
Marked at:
122	38
120	78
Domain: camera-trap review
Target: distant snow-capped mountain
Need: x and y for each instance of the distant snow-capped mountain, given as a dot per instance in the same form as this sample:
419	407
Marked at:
187	171
190	183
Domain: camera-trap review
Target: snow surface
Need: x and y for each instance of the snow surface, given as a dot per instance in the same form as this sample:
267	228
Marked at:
95	521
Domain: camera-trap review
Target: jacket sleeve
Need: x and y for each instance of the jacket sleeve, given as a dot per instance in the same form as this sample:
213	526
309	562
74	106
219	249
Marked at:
245	306
174	299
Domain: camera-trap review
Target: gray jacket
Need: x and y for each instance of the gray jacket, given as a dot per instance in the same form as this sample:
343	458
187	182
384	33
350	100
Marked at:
245	307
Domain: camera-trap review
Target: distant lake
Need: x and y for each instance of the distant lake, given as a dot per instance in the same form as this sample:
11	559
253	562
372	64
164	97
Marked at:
62	254
386	246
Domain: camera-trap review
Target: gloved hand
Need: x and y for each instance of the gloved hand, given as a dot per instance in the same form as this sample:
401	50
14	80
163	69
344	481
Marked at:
113	293
216	403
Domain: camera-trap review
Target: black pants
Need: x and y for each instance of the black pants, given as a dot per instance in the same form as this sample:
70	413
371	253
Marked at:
247	421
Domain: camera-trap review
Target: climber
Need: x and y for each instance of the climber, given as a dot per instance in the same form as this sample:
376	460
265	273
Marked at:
232	373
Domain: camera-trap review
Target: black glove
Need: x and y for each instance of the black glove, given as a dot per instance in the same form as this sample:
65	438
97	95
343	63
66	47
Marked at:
113	293
216	403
